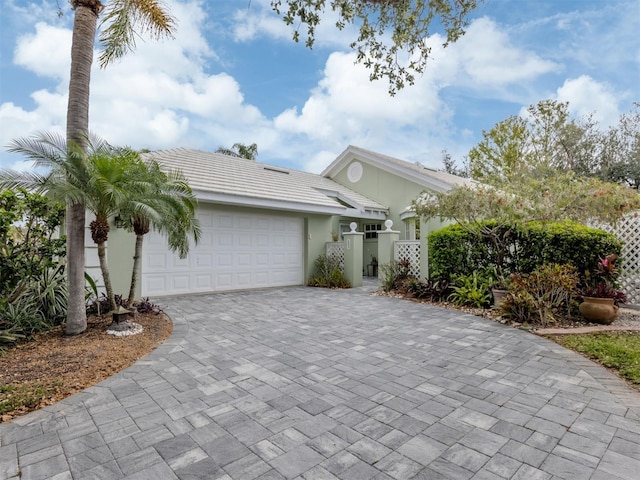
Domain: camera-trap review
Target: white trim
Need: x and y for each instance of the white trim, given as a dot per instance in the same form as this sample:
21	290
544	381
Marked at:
408	214
246	201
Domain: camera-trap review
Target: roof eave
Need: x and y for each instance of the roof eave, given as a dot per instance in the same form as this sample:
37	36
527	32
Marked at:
271	204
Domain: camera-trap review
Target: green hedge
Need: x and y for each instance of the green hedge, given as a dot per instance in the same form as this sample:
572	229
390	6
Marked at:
455	251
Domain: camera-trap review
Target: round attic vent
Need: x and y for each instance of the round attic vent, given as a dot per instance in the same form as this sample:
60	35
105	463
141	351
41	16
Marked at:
354	173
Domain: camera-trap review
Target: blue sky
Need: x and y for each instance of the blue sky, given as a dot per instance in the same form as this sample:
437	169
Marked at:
233	74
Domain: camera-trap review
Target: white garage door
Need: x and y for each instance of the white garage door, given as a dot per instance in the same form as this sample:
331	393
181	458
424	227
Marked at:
236	251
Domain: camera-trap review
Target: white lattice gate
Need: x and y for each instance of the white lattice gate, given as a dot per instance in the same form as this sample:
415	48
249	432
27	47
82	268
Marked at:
628	231
410	250
336	250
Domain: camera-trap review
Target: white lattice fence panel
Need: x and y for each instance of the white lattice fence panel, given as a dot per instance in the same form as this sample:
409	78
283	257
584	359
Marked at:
628	231
336	250
410	250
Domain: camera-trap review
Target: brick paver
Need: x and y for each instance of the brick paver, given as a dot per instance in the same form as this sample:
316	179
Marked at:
303	383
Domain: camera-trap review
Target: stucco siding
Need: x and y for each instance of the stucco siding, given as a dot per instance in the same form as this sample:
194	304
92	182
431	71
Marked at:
386	188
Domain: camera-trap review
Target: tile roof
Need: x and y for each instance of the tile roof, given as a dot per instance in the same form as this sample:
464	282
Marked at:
216	173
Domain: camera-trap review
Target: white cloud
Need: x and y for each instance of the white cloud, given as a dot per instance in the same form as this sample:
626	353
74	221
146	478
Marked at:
586	96
260	20
251	23
485	59
45	52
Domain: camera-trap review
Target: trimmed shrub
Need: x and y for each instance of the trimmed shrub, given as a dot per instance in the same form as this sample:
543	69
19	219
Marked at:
564	242
454	251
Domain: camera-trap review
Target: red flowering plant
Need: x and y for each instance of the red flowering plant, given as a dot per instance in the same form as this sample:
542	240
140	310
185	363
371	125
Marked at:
603	283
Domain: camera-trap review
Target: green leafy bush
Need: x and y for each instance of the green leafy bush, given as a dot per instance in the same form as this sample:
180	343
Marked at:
455	251
22	317
28	247
564	243
394	275
49	293
472	291
540	297
328	273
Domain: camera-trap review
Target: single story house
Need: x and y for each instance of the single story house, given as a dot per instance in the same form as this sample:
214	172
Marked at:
264	225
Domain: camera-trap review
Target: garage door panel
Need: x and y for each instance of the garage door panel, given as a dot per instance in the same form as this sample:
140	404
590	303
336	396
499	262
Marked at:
203	282
243	260
224	281
224	239
204	260
236	251
243	280
180	282
156	262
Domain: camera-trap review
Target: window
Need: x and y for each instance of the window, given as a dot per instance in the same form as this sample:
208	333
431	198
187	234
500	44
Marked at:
412	229
371	230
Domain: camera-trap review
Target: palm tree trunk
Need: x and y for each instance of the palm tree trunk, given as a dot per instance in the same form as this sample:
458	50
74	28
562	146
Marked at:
102	256
137	254
84	32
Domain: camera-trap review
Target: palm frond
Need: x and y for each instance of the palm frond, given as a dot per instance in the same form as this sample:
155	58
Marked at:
124	18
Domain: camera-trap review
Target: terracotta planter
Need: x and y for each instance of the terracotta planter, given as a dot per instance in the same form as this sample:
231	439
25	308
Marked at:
599	310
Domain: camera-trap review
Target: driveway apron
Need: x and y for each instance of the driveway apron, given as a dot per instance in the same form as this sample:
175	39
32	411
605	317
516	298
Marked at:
303	383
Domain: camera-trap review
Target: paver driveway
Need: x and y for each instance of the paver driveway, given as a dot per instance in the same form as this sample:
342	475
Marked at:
319	384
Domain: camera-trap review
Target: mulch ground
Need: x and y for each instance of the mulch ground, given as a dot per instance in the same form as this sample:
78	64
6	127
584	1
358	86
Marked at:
61	366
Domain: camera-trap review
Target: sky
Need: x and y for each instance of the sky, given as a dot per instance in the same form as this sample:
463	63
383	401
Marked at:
232	74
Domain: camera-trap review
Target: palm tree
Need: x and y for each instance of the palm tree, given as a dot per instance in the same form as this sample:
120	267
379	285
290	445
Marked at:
97	175
123	17
240	150
171	212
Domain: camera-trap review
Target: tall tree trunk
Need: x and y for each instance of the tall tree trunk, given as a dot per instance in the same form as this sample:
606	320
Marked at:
102	256
136	266
84	32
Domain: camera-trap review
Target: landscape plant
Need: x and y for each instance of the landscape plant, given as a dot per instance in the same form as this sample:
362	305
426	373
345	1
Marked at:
29	241
472	291
122	20
603	280
31	265
96	174
327	273
168	207
454	250
543	296
395	274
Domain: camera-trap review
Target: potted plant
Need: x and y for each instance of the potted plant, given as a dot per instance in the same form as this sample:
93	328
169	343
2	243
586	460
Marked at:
499	285
601	297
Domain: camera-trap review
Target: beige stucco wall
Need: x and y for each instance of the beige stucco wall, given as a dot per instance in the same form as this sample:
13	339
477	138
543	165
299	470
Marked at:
120	247
385	188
